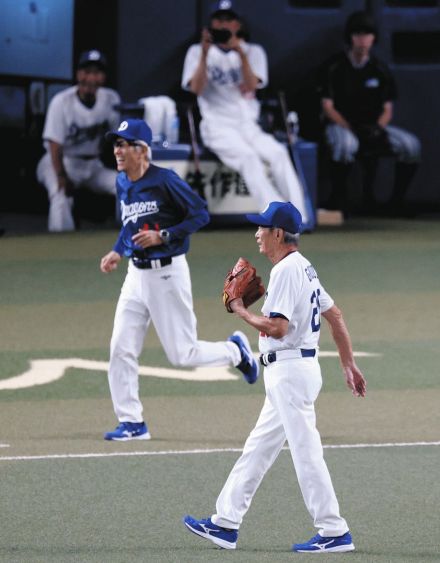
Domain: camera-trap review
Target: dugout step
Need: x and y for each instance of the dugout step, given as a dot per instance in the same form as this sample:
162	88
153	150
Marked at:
329	218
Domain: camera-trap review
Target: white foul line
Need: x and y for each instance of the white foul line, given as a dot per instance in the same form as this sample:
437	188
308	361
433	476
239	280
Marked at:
200	451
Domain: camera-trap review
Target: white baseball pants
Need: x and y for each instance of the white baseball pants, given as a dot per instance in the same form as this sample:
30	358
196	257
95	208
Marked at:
263	162
91	173
292	387
162	296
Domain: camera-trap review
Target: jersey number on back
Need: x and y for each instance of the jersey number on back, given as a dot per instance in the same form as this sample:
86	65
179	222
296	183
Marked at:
316	311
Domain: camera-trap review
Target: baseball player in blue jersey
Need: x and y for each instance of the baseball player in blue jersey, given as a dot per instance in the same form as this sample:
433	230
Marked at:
289	334
159	211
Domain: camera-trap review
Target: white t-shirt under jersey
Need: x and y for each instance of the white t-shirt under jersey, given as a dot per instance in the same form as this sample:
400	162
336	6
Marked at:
222	98
295	292
78	128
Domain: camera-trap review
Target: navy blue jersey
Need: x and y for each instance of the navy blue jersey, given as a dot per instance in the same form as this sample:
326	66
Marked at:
158	200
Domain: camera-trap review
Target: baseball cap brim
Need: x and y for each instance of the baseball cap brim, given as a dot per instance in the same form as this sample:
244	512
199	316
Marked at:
112	135
227	15
258	219
98	64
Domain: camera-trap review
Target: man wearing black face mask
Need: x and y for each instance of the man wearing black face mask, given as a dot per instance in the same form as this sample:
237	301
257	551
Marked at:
225	72
76	121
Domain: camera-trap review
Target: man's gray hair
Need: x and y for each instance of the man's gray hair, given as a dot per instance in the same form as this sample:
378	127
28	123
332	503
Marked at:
148	153
291	238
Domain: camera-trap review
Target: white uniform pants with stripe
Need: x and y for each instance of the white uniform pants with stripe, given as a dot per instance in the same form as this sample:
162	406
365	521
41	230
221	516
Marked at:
91	173
256	156
292	387
162	296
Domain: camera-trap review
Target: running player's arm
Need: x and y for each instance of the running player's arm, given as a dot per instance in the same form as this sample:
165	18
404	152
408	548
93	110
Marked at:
353	375
193	209
145	239
110	262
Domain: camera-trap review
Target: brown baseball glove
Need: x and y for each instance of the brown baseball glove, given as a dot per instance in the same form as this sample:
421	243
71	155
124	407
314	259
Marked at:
242	281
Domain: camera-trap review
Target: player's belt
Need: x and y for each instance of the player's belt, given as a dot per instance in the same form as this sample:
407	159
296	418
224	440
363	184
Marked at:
84	156
151	263
270	357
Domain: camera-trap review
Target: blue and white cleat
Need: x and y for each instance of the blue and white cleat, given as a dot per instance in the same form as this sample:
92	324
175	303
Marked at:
129	431
248	365
227	539
330	544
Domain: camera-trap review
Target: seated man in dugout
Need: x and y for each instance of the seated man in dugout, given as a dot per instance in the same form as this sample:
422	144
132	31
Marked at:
76	121
225	72
357	95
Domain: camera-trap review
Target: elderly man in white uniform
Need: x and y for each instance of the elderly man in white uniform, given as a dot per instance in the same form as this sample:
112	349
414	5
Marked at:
225	71
289	335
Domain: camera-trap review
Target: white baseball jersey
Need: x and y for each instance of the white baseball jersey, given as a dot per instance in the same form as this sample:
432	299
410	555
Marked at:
78	128
295	292
230	129
222	98
292	385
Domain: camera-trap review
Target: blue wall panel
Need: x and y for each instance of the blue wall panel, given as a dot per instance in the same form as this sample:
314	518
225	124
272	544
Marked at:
36	38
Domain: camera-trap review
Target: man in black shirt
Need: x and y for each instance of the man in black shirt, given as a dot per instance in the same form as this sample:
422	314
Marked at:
357	95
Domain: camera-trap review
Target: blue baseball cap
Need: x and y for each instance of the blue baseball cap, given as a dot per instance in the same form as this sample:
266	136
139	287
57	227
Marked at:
279	214
132	130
